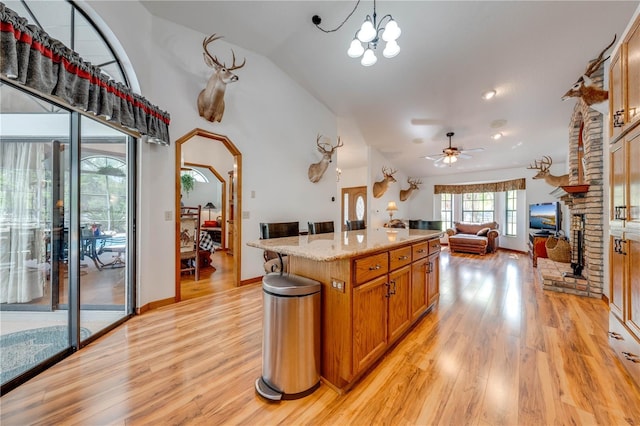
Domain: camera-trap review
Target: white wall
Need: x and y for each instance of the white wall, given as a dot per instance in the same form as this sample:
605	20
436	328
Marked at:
270	118
422	203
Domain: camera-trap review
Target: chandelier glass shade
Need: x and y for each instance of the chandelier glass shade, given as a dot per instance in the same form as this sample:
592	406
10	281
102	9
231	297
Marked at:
371	33
449	159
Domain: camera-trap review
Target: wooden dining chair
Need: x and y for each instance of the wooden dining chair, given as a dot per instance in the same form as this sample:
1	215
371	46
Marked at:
320	227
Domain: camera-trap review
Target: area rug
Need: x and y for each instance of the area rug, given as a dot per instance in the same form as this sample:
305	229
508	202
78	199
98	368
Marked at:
23	350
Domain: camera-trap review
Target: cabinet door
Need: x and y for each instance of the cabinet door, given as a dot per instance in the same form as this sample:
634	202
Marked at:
369	322
632	250
633	74
615	95
419	287
632	142
433	279
617	169
617	274
399	302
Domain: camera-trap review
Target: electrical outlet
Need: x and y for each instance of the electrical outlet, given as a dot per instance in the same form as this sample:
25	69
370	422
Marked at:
337	285
168	216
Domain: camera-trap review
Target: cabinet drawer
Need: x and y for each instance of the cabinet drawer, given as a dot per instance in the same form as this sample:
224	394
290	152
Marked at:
420	250
626	347
399	257
434	246
371	267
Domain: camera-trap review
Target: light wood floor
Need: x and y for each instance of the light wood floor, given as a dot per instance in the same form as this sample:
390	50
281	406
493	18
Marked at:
496	350
213	279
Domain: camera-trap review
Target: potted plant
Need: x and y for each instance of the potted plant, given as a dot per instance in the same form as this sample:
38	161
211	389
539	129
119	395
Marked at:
187	182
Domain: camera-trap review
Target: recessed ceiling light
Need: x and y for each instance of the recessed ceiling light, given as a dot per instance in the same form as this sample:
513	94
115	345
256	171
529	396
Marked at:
496	136
488	94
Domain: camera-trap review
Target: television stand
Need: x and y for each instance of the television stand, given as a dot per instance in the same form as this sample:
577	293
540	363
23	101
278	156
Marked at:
537	246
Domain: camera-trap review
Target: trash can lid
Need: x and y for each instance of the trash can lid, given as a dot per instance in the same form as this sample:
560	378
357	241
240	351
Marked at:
289	285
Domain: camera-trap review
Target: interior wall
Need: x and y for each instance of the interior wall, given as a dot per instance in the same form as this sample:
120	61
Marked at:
270	118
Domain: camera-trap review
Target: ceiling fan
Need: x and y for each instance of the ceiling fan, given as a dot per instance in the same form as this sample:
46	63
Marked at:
450	154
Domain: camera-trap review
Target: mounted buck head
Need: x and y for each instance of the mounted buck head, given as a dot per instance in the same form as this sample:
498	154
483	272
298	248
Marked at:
413	185
380	188
584	87
211	98
316	170
543	167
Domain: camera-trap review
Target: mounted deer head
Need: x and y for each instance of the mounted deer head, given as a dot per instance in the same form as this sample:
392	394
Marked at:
316	170
543	167
211	98
584	87
380	188
413	185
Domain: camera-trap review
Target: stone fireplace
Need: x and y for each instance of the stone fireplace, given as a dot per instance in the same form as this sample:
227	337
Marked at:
585	201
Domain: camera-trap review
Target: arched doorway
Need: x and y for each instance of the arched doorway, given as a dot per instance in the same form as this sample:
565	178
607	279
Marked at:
234	222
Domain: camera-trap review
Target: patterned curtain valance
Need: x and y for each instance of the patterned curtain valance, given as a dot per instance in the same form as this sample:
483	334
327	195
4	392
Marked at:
507	185
29	56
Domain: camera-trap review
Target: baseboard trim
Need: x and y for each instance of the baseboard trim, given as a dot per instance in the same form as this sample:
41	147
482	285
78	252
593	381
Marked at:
605	299
155	305
250	281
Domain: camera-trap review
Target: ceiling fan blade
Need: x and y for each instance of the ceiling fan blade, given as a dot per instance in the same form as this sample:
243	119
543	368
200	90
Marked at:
465	156
472	150
440	163
435	157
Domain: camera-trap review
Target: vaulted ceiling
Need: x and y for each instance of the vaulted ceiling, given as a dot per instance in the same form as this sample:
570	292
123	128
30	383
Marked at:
531	53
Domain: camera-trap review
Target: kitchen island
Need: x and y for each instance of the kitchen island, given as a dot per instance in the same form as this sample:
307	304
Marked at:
376	283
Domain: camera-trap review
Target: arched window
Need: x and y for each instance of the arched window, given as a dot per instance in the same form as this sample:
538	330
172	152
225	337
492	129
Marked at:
64	21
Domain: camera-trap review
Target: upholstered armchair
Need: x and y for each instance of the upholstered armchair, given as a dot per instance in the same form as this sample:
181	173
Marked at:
479	238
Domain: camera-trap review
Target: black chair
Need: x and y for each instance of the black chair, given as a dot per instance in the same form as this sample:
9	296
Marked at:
435	225
278	230
353	225
320	227
274	262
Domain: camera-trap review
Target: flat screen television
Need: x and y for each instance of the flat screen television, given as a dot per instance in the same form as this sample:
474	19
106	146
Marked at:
545	217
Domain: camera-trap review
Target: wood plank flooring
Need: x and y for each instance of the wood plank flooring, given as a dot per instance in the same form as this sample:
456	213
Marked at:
496	350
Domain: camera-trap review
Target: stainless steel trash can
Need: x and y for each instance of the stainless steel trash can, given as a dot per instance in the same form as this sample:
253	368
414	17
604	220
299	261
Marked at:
291	337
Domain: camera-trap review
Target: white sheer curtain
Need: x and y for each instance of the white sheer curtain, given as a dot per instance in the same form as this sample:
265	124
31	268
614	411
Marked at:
22	246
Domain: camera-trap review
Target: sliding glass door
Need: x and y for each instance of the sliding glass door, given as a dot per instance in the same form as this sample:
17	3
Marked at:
66	231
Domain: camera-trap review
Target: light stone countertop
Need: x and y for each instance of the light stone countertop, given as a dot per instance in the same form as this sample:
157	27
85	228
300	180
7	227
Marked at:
340	245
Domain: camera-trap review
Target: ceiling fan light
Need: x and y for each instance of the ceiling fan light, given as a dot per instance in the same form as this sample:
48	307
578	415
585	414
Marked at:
367	31
450	159
355	49
496	136
369	58
391	49
391	31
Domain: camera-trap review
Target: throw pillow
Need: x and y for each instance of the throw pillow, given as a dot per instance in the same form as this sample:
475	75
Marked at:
483	232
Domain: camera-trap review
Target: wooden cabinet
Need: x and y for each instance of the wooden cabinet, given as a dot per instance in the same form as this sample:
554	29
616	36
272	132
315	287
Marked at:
419	299
399	316
381	311
624	193
624	84
370	301
624	321
369	322
537	247
624	176
433	278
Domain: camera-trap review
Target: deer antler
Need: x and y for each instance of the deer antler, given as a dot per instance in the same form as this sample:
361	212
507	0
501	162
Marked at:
214	59
599	60
388	172
545	164
413	182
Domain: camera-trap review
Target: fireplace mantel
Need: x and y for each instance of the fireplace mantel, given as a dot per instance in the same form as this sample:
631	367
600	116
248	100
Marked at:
577	191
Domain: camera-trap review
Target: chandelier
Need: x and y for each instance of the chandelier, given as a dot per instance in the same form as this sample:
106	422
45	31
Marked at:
371	33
